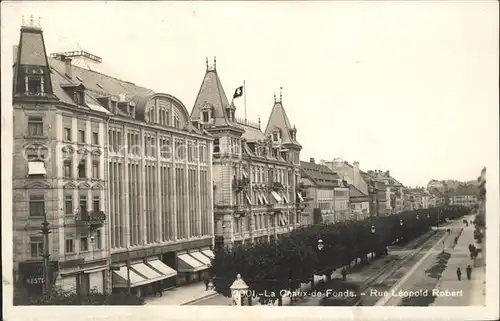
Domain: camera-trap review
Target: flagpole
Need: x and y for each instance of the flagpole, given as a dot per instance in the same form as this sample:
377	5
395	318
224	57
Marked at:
245	100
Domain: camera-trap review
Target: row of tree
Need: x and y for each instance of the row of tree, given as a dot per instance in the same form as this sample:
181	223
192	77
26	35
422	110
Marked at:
294	258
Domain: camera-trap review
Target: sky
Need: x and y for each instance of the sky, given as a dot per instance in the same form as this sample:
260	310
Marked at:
410	87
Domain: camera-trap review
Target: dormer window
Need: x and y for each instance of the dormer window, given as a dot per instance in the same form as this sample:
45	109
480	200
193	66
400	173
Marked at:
34	84
276	136
228	114
232	115
206	116
78	97
131	111
177	122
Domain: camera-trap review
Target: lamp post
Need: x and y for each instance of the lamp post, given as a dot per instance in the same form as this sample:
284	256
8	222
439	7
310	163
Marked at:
320	244
46	275
401	224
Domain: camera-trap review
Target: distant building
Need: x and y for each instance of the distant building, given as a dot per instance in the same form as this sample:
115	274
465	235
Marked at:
358	187
319	184
394	191
256	173
377	193
464	196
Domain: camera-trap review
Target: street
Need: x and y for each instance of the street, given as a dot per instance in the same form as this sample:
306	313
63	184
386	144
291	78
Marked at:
428	282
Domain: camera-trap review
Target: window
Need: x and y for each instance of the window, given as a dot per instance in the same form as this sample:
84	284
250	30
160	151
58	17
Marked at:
97	203
95	169
95	138
67	133
216	145
37	205
67	168
131	111
68	204
78	97
205	116
275	136
70	247
84	244
82	169
81	136
36	245
35	126
34	85
83	203
97	241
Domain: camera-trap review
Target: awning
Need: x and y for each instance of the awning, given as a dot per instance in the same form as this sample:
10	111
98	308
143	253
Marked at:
36	168
244	174
260	198
264	199
300	197
99	108
276	196
187	263
120	278
140	274
148	272
99	269
208	253
249	200
162	268
200	257
285	199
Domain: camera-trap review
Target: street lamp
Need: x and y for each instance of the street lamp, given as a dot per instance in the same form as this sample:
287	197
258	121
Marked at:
417	216
320	244
401	222
373	229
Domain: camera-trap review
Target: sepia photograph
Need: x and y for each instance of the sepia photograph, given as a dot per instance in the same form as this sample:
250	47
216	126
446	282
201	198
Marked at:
247	160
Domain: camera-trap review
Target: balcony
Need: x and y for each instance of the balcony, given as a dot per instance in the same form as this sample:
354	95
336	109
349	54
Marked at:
240	184
277	186
92	220
300	188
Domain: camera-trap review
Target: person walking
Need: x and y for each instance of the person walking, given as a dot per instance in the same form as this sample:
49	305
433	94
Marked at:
206	283
469	272
459	274
344	274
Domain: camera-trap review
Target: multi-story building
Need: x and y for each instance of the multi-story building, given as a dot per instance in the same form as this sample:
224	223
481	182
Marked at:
358	187
415	198
377	193
481	183
319	183
394	191
255	172
128	188
59	166
465	196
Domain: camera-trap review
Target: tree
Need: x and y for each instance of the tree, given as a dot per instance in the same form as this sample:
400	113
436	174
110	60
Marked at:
62	297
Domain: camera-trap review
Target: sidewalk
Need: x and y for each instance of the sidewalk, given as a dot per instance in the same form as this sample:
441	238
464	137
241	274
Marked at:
182	295
473	290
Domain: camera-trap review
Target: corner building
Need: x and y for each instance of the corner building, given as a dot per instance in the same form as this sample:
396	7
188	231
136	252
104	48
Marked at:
125	157
58	174
256	173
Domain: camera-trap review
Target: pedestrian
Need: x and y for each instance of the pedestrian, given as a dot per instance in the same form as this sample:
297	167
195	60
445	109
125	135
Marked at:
386	251
459	274
456	240
469	272
206	283
344	274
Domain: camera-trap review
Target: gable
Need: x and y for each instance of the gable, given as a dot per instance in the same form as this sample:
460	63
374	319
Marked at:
37	185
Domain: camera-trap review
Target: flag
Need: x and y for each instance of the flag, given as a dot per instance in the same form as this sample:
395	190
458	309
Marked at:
238	92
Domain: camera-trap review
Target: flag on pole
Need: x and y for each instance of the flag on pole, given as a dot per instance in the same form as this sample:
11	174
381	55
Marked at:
238	92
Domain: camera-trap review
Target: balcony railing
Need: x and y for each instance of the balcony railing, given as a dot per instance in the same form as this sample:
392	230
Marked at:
91	219
240	184
277	186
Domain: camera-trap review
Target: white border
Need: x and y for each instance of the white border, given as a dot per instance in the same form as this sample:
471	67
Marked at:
240	313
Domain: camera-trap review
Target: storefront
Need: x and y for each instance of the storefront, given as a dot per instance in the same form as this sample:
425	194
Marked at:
145	278
193	265
32	277
82	277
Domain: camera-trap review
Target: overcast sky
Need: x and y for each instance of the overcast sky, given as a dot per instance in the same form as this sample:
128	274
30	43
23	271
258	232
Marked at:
410	87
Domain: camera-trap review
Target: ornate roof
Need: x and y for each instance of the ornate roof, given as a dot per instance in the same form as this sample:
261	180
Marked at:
279	120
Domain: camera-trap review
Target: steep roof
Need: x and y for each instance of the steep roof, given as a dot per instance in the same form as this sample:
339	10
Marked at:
252	134
95	85
321	175
279	120
211	95
354	192
465	190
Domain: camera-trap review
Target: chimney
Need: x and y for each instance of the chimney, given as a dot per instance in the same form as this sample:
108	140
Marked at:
311	160
356	176
14	53
68	68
